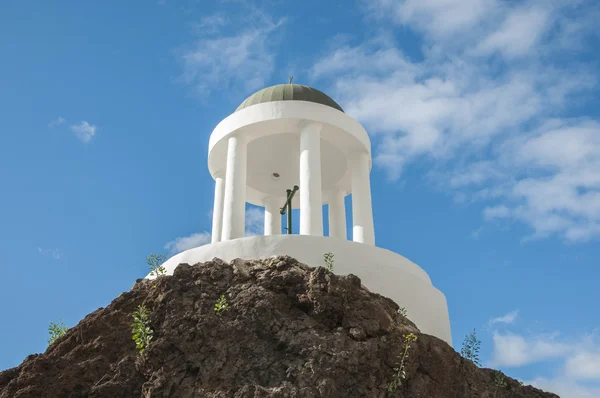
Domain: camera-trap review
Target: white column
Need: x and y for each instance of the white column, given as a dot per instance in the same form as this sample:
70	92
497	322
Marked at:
337	214
311	205
362	210
234	204
272	216
217	216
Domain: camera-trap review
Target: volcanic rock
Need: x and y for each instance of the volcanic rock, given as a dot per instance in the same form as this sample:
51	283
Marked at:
290	331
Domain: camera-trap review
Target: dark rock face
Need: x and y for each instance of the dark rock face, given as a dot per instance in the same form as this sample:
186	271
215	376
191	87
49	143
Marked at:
291	331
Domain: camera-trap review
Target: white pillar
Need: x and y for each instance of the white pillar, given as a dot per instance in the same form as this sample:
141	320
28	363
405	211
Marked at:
234	204
217	216
311	205
337	214
272	216
362	210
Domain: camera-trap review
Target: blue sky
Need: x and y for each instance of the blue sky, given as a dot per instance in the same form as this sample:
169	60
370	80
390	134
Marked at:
483	114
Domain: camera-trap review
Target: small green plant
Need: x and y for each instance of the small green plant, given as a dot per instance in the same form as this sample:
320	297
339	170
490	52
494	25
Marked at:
155	262
470	348
499	379
329	261
521	383
400	374
56	330
221	305
140	329
402	311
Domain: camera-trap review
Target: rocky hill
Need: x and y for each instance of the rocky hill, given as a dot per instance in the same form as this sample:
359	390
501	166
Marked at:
290	331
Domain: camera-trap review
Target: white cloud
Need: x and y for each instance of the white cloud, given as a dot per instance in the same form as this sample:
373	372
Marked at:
477	233
565	388
477	173
84	131
486	27
500	133
183	243
508	318
519	33
572	362
243	58
52	253
254	226
560	145
490	213
211	24
255	221
439	18
561	194
351	58
57	122
513	350
435	108
584	366
578	360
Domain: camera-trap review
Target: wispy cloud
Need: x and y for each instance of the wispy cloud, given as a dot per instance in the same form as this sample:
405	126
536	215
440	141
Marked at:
183	243
486	27
476	233
584	366
501	211
51	253
520	31
57	122
494	131
211	24
241	57
508	318
513	350
565	387
255	221
576	358
84	131
441	19
254	226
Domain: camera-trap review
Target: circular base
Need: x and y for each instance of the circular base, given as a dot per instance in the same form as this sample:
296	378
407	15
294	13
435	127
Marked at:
380	270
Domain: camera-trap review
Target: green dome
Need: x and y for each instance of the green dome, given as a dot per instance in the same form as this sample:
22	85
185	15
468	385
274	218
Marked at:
289	92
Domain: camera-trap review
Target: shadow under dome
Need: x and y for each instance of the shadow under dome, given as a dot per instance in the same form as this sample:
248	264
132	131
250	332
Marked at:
280	154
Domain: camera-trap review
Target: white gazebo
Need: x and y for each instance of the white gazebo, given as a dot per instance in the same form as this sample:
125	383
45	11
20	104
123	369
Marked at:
291	137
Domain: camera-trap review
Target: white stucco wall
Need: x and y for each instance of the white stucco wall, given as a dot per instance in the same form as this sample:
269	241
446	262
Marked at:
381	271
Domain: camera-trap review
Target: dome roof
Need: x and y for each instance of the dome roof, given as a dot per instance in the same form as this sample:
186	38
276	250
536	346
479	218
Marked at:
286	92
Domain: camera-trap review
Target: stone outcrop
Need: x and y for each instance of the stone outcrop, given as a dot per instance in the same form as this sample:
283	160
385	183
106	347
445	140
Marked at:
290	331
